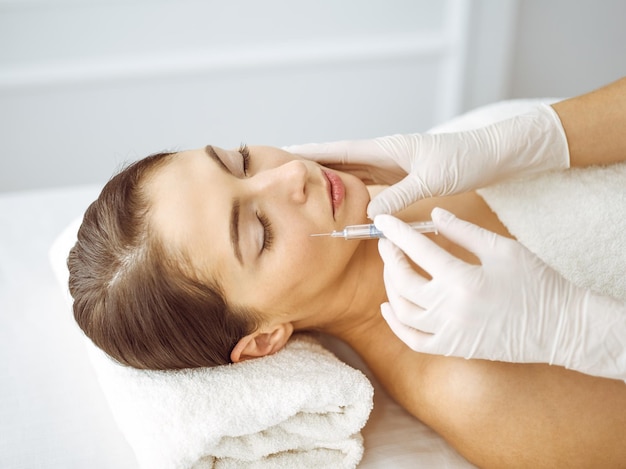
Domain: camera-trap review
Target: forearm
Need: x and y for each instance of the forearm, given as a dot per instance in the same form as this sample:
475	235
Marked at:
595	125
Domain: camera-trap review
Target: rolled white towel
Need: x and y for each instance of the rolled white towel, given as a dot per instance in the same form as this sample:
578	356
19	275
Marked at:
301	407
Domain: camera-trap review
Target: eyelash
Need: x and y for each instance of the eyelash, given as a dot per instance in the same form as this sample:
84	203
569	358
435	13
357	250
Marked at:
268	233
245	154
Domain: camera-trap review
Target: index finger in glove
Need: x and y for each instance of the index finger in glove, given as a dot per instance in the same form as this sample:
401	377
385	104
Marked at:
368	174
325	153
344	152
398	197
424	252
472	237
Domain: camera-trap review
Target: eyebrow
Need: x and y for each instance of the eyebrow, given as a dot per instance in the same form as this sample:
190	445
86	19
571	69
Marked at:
234	211
211	153
234	230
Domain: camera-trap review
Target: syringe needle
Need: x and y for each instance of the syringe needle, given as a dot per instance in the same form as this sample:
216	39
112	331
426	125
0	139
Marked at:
321	234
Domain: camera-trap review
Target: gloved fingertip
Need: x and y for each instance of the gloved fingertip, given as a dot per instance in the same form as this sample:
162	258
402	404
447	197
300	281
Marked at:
383	221
441	217
374	208
384	203
386	311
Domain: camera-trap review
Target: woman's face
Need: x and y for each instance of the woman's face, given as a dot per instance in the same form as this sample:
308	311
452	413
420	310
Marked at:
244	218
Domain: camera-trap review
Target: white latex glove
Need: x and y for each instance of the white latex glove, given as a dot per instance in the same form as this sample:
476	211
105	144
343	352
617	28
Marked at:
512	307
424	165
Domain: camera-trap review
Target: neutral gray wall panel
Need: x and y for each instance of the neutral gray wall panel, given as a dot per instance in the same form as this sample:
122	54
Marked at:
565	48
86	86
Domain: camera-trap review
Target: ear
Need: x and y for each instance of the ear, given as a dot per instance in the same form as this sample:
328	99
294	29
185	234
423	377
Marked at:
265	341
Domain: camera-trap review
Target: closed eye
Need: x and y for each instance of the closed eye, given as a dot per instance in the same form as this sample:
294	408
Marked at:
245	155
268	233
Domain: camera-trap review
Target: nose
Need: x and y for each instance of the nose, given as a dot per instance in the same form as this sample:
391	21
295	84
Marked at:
288	181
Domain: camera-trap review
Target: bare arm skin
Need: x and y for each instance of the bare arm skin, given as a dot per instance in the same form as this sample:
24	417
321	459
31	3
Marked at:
508	415
501	414
595	125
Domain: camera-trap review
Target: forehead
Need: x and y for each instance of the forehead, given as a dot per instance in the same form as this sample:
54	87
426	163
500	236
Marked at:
188	207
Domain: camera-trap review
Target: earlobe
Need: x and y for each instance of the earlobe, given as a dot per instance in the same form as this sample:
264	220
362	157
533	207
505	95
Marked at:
265	341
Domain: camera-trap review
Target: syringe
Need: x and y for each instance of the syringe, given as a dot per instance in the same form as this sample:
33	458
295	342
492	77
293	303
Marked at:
371	232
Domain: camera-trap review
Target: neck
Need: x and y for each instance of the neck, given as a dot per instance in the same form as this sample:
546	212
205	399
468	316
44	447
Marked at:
362	291
359	322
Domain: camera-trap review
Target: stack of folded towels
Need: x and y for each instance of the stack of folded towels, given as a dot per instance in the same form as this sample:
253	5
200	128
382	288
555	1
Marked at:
300	407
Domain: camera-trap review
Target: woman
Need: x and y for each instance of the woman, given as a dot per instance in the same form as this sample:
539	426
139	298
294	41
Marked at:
203	257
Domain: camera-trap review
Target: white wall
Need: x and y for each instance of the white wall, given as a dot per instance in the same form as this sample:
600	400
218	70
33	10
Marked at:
565	48
86	85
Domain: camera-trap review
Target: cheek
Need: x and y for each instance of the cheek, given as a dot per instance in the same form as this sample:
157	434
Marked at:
301	270
315	263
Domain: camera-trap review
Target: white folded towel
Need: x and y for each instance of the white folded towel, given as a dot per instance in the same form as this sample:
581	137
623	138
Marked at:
574	220
301	407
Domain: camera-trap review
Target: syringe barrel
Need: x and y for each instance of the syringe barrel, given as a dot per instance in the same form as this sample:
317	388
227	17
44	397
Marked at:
370	231
362	232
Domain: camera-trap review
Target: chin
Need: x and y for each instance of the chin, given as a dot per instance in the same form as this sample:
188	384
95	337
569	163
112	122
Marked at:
360	197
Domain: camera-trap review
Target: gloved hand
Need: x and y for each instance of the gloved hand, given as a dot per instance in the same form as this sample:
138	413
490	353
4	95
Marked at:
512	307
448	163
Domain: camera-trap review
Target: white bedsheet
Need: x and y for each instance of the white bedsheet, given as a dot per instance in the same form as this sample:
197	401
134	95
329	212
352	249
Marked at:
52	411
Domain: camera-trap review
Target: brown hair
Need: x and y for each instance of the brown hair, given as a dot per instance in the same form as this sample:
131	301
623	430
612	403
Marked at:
137	299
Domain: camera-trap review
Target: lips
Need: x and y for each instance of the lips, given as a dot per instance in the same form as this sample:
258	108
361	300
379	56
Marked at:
336	189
